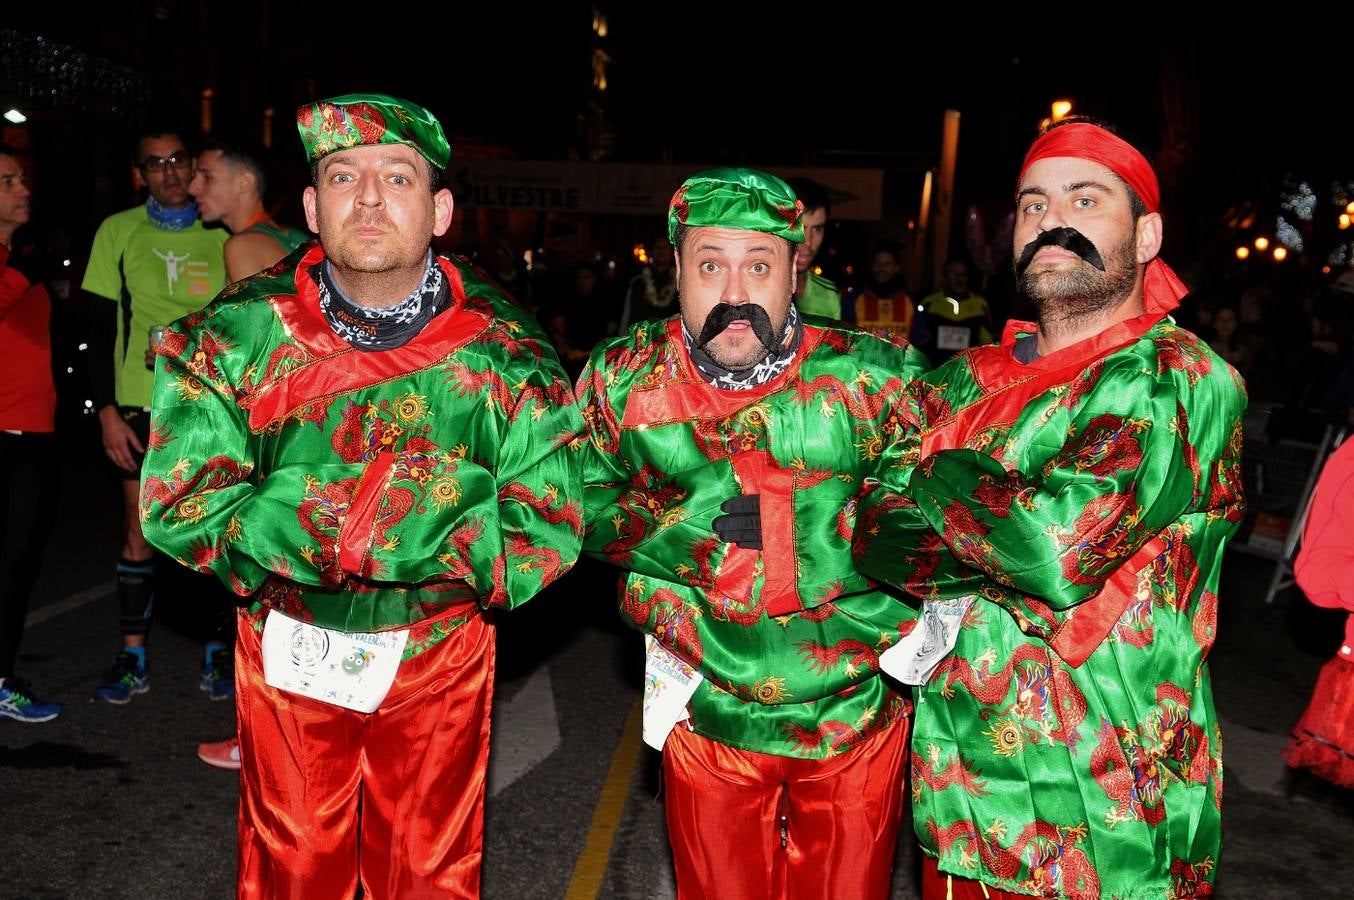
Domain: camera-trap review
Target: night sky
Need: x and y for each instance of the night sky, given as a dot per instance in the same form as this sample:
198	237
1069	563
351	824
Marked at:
1225	118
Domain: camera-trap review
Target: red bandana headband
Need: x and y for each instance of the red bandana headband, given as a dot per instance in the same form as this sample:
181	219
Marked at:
1162	290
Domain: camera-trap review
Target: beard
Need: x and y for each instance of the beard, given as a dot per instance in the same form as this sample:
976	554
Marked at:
392	252
1093	286
766	331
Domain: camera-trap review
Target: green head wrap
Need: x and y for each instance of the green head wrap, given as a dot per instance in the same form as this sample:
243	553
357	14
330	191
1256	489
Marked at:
355	119
737	198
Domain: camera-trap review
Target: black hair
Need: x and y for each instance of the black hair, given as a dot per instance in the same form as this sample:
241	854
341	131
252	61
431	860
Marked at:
241	157
891	249
155	129
812	194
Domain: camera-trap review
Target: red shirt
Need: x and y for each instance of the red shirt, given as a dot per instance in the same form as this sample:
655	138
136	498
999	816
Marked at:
1325	565
27	393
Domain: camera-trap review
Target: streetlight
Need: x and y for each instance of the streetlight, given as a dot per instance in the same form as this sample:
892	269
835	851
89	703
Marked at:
1243	252
1061	109
1280	254
1262	243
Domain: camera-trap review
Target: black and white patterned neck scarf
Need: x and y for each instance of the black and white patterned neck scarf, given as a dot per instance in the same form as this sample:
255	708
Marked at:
385	328
759	374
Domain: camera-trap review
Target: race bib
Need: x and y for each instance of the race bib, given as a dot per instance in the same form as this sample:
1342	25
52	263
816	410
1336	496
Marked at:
915	657
952	337
352	670
668	685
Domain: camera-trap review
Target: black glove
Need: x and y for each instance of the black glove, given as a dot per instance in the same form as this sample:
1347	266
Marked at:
742	522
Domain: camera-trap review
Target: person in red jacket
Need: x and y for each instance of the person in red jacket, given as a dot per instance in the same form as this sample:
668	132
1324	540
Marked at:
27	423
1323	740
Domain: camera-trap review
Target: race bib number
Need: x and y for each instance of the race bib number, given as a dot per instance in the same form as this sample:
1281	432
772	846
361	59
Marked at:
915	657
952	337
352	670
668	685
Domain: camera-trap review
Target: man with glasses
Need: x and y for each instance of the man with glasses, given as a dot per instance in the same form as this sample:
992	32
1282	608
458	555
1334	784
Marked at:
156	263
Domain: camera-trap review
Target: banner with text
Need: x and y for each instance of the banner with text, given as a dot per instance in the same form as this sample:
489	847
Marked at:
629	188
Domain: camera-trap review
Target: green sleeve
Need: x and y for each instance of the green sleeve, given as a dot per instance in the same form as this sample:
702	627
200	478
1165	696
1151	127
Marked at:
508	523
202	500
1041	542
102	275
627	512
1123	472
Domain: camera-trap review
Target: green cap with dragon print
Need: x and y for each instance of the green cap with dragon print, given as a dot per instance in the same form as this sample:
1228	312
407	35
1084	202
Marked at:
354	119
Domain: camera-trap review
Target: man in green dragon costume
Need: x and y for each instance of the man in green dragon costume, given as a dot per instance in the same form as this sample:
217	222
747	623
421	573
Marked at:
373	443
1061	501
726	447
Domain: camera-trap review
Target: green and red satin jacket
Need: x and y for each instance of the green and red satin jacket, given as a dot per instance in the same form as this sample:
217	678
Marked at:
1068	746
787	637
363	491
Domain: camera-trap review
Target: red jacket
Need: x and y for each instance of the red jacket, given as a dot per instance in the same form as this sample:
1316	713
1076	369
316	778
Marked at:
1325	565
27	393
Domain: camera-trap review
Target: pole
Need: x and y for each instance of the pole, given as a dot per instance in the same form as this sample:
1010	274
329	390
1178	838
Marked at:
949	151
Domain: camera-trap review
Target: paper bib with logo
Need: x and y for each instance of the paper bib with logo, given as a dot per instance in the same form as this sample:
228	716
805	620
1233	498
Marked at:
668	685
915	657
352	670
952	337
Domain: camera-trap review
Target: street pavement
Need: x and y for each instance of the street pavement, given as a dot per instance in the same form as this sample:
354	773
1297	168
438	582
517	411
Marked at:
112	802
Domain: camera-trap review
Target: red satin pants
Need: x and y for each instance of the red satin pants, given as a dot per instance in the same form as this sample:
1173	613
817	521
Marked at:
752	826
394	798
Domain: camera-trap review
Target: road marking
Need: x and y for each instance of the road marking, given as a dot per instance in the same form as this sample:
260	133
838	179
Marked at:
525	731
74	601
591	867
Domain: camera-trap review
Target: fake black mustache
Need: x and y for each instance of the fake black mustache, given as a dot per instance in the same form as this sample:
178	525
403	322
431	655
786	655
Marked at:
724	313
1066	238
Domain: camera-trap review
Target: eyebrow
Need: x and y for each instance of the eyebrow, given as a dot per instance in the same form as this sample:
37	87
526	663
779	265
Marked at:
386	160
1080	185
1067	189
759	248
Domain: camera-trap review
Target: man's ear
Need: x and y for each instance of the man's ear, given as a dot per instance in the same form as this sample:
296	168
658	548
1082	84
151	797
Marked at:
247	182
444	205
1149	237
308	203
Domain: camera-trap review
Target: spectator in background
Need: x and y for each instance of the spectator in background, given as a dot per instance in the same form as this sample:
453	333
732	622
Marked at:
956	317
1323	739
27	447
228	185
150	265
576	320
814	294
882	303
653	292
1226	340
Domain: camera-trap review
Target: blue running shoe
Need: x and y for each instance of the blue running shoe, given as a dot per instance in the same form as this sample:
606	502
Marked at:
18	703
218	675
125	680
